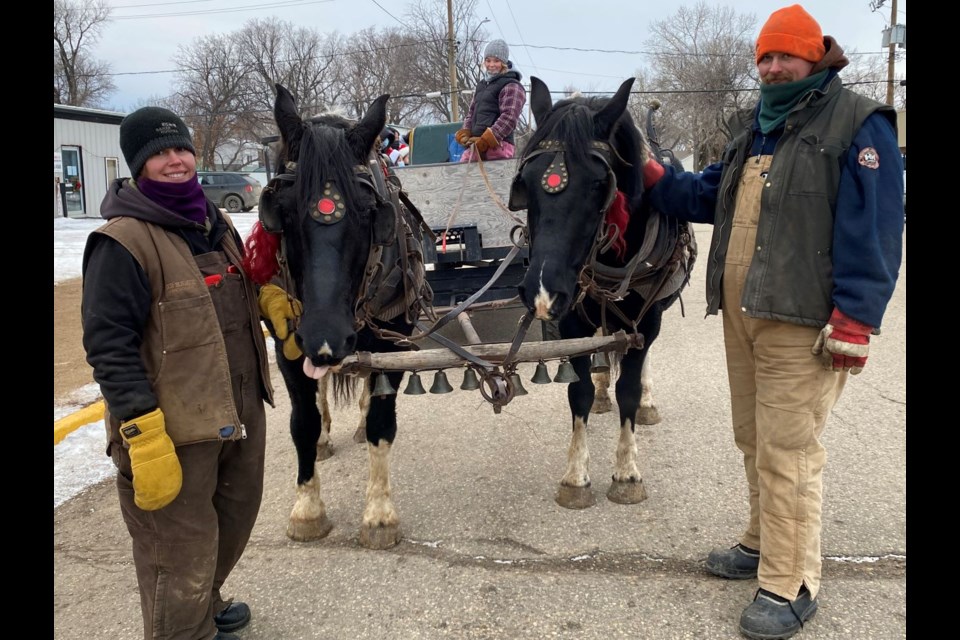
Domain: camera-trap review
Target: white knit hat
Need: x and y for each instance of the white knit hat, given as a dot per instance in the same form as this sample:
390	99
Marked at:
497	49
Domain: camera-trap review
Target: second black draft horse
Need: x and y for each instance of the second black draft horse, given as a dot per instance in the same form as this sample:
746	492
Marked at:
600	258
350	251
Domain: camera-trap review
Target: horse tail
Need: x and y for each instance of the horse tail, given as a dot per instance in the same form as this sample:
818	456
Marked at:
260	254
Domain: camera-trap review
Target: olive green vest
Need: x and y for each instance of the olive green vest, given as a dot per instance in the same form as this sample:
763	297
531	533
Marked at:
791	274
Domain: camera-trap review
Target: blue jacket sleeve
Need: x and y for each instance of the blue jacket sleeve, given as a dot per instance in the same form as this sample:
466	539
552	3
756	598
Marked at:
868	225
688	196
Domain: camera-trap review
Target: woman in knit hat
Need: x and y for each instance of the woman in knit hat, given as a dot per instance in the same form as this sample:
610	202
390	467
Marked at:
495	109
171	327
805	255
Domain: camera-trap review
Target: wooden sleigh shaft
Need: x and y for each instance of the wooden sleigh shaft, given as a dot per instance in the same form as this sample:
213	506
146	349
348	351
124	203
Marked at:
495	353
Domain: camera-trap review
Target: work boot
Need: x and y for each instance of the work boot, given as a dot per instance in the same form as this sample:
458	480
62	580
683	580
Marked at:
737	562
225	636
236	615
770	617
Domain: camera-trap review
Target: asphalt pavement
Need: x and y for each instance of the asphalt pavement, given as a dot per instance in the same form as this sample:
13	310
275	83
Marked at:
488	554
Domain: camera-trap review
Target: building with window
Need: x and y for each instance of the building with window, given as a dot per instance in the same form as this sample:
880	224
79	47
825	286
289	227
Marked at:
86	158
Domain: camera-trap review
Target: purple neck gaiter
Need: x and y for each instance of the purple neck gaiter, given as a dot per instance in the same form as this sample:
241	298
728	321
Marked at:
183	198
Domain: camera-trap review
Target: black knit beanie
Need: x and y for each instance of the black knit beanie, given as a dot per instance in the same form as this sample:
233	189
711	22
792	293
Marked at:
148	131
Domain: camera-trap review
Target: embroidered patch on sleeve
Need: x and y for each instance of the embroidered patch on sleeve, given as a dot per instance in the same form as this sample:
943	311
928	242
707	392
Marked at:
869	158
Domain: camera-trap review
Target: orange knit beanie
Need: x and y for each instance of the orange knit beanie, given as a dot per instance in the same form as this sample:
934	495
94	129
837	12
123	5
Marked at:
791	30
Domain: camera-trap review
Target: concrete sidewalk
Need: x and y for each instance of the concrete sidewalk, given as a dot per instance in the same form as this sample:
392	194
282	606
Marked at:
487	553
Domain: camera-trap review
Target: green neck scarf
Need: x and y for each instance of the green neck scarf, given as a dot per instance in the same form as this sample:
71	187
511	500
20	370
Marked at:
776	100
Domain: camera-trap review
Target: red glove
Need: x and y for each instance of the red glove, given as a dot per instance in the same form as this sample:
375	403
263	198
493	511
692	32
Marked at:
843	344
652	172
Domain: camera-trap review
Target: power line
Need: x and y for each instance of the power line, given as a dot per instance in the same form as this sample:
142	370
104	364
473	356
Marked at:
252	7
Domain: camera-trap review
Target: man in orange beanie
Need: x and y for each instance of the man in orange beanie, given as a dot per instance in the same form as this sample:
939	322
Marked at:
808	217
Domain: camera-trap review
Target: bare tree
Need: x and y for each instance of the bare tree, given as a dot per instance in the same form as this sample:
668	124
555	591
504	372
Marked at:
211	94
378	61
428	25
301	59
705	55
79	79
867	75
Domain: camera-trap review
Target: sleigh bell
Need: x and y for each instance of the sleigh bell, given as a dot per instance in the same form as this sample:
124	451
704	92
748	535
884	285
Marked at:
599	363
518	389
470	380
383	386
414	386
566	373
541	375
440	383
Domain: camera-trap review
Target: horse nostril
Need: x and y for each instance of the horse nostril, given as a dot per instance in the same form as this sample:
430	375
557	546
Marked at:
350	344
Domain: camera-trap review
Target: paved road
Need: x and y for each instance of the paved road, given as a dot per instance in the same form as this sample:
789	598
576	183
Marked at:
488	554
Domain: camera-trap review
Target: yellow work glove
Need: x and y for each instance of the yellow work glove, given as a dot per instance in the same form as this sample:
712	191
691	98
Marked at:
277	307
157	476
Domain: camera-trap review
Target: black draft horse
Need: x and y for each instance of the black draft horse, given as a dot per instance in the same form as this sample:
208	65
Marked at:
599	258
341	239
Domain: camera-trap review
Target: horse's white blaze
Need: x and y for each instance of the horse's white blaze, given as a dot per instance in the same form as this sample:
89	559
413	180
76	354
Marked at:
325	350
625	467
379	510
309	506
578	457
543	303
646	383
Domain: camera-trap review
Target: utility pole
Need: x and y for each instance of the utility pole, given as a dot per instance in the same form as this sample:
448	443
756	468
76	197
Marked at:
452	62
891	53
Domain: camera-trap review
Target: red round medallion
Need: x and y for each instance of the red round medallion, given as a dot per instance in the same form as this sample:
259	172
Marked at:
326	206
553	180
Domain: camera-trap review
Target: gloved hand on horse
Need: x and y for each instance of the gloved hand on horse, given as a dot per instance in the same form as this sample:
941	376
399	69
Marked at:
843	344
157	476
652	171
277	307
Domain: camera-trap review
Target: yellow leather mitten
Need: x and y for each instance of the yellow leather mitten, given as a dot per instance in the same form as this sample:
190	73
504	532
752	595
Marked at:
157	476
277	307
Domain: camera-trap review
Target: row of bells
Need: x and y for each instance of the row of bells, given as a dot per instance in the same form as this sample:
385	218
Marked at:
565	373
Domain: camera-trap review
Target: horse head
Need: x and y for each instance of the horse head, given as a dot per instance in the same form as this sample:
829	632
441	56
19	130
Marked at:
585	153
331	216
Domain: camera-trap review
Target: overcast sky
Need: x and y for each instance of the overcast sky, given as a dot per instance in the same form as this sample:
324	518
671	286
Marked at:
593	45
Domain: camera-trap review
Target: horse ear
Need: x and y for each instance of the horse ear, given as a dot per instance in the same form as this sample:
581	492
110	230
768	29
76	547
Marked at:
364	135
608	116
540	102
288	119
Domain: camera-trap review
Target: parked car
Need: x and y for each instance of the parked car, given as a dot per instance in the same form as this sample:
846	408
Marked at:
230	190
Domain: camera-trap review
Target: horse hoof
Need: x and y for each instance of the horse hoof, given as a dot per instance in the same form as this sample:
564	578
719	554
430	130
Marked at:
626	492
575	497
324	451
601	404
648	415
360	435
379	538
307	530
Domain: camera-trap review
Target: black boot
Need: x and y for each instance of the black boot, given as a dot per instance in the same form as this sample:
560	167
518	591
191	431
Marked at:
737	562
771	617
235	616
